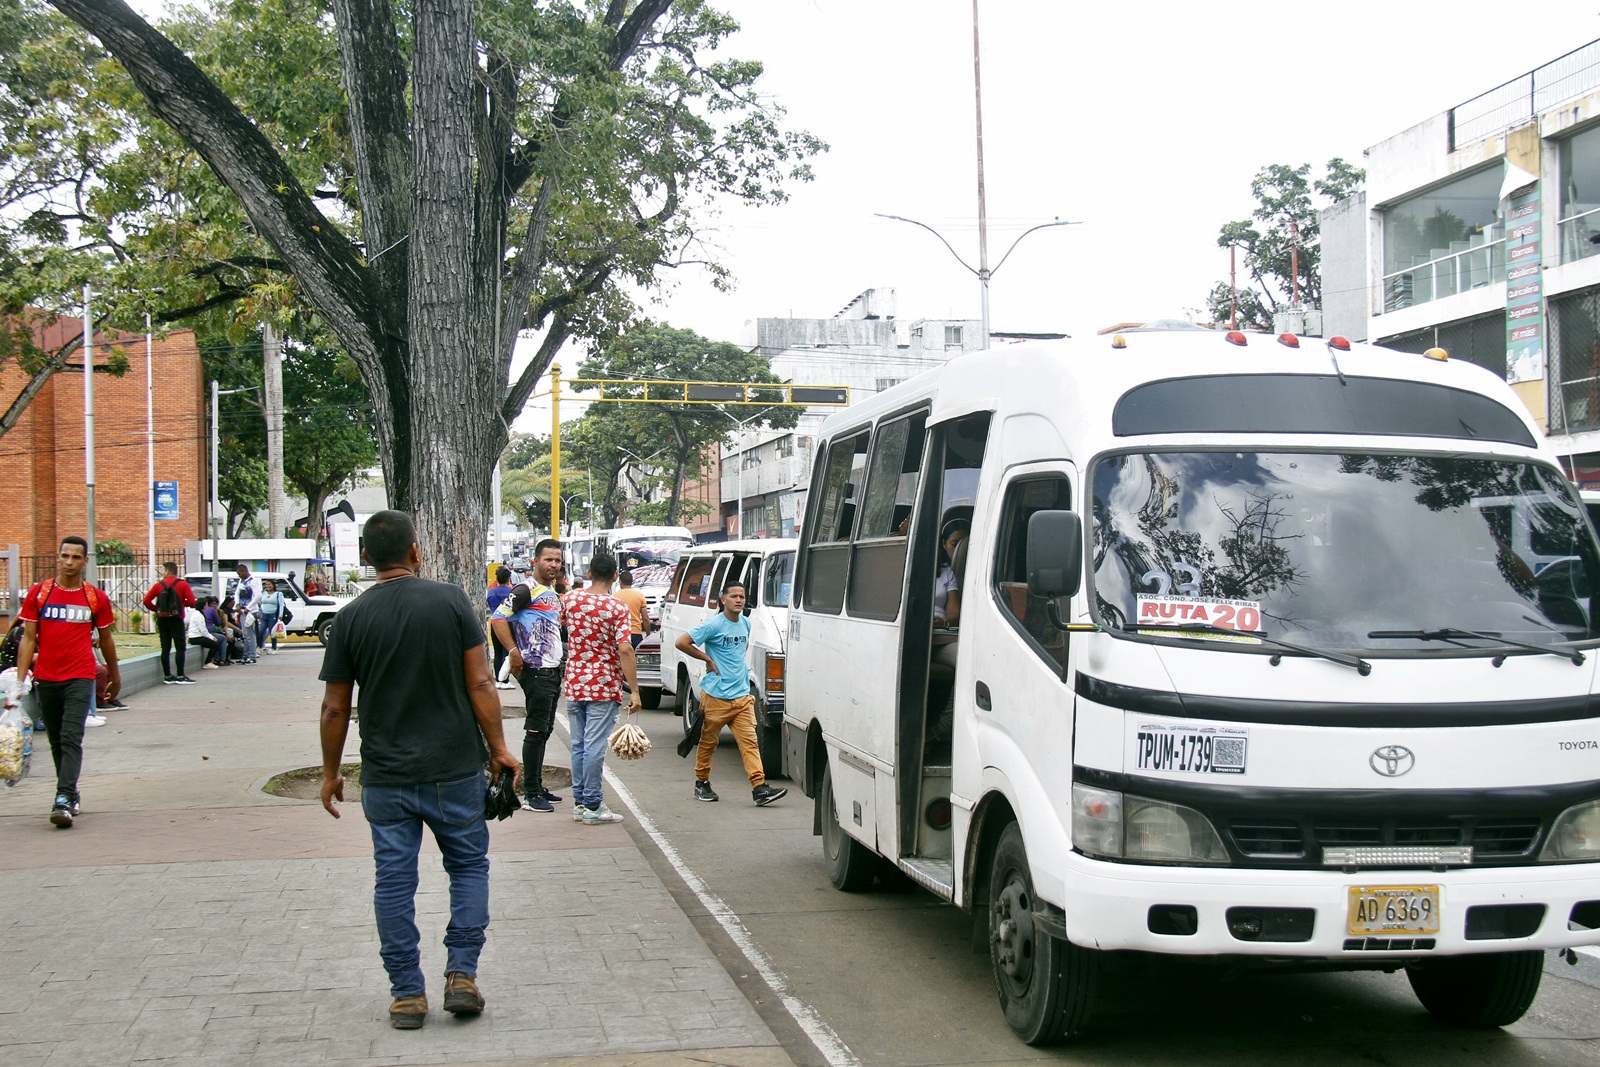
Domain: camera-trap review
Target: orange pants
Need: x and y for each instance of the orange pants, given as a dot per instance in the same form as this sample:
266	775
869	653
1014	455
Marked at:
738	716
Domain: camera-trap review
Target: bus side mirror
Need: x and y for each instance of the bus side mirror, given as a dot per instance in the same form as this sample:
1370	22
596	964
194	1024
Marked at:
1055	554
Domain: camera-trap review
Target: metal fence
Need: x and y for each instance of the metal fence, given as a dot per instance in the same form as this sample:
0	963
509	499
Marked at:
1574	371
1521	98
125	584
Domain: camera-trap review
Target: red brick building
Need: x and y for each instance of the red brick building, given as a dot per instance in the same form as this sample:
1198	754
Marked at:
43	456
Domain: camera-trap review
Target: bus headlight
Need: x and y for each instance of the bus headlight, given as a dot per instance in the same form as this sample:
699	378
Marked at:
1575	835
1108	823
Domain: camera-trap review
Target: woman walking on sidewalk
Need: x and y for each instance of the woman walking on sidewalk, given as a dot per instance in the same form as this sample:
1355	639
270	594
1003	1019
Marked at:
267	620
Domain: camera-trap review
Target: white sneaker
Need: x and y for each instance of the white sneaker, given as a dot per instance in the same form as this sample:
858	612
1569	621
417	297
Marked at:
599	815
210	667
505	685
577	812
95	720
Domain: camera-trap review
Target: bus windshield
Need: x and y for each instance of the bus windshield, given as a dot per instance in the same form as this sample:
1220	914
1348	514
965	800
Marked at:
1360	551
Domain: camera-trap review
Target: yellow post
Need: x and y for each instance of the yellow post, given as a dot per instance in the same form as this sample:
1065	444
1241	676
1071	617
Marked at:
555	451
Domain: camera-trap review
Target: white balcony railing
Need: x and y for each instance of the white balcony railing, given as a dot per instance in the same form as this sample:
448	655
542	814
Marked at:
1463	266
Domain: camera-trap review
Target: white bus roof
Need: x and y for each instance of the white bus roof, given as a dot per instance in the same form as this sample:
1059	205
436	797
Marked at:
1078	382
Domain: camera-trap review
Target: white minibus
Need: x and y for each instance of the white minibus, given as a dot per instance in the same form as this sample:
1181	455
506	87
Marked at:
1242	665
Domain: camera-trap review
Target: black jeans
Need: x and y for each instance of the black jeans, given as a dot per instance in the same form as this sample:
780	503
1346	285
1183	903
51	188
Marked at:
500	653
63	707
541	689
209	644
173	632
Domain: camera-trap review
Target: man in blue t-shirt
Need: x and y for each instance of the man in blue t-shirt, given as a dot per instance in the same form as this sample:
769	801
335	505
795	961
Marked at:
725	695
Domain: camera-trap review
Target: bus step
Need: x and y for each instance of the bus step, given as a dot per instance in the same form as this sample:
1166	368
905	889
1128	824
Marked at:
936	876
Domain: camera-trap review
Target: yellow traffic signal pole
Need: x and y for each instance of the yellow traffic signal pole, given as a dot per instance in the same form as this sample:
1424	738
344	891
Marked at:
705	394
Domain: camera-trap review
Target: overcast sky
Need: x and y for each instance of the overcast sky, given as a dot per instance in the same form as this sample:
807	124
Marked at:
1146	121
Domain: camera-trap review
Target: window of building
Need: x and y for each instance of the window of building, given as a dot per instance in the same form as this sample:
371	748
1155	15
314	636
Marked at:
1575	362
952	337
1580	195
1444	241
888	383
1480	340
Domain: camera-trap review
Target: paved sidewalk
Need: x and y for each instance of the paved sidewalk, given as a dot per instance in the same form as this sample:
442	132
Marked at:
188	917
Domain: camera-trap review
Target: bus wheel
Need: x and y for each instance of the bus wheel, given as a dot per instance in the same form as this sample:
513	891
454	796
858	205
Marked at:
1046	984
1480	992
680	698
693	713
851	865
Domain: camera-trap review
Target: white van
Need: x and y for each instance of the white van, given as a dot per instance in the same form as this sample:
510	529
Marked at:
1241	669
766	567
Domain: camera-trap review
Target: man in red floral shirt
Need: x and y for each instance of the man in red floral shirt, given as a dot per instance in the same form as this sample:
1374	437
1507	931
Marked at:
599	657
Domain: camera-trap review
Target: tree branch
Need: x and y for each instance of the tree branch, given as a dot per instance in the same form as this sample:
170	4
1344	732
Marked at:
180	94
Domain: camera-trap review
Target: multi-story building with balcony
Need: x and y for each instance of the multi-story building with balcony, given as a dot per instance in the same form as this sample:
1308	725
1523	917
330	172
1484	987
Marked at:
1479	232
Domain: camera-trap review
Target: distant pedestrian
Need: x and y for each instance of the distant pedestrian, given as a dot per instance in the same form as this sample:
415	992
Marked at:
638	607
267	618
725	693
430	718
599	657
246	603
167	600
498	592
198	630
61	618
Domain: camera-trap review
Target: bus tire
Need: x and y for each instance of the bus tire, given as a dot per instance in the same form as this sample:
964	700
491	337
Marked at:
1046	984
650	697
851	865
680	696
1478	992
693	713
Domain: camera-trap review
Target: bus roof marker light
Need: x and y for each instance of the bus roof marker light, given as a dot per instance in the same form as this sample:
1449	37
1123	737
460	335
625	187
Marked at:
1289	340
1236	337
1340	343
1437	353
1119	341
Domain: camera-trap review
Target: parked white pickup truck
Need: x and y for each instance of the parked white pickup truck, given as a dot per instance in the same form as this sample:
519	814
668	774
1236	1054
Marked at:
311	615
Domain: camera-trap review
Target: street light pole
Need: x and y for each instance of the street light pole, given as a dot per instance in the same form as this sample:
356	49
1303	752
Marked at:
216	501
983	271
741	423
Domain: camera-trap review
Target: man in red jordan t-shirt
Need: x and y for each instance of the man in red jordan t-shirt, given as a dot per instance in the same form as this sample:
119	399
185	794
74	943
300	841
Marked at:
60	619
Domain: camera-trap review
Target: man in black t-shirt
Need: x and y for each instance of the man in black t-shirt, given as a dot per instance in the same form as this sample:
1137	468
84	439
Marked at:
430	716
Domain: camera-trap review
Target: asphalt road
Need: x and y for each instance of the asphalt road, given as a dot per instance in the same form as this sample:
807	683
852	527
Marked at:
890	976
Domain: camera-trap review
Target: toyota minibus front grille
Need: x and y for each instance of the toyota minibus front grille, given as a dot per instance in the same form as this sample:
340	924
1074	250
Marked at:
1305	839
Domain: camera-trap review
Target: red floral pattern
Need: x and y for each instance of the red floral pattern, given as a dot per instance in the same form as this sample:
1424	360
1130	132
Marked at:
596	623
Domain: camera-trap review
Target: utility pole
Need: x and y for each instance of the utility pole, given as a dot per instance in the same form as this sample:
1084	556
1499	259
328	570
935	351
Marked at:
272	376
88	430
984	273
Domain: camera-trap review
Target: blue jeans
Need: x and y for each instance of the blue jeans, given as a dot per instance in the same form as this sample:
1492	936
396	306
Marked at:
453	810
266	622
591	722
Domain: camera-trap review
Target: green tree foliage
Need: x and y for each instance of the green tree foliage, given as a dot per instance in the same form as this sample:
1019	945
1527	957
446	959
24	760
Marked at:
1284	219
328	422
671	438
517	169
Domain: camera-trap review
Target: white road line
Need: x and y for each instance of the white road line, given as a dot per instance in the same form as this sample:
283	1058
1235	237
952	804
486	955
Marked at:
828	1043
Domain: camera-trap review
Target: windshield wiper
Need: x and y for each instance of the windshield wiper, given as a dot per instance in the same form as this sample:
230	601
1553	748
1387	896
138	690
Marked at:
1448	633
1361	665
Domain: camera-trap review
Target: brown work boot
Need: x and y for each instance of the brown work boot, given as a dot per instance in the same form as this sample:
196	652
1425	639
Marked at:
409	1013
461	996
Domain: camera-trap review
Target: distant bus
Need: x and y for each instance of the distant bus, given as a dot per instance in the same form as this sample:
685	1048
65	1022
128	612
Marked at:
639	546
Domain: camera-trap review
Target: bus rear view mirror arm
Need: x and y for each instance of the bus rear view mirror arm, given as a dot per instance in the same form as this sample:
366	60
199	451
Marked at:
1055	554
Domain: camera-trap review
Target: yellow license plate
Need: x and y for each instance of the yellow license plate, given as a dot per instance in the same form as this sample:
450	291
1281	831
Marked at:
1394	909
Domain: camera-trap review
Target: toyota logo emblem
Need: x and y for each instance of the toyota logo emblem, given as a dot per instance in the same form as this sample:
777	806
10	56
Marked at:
1392	761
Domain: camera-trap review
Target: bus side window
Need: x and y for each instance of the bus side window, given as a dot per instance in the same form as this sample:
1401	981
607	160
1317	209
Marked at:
833	505
677	580
1029	614
696	582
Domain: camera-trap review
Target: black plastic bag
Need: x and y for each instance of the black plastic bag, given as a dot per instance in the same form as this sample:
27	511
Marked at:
500	802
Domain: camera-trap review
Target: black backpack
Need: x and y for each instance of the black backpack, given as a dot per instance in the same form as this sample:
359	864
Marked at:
167	602
9	648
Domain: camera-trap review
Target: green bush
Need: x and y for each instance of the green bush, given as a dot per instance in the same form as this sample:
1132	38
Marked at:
113	554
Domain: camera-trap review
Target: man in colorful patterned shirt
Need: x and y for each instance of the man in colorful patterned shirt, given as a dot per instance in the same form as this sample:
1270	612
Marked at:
528	624
600	656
